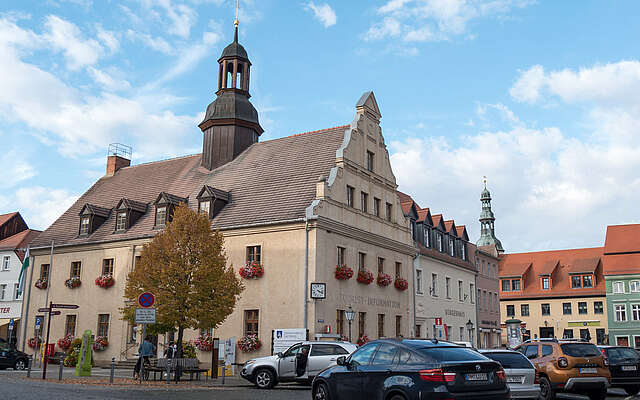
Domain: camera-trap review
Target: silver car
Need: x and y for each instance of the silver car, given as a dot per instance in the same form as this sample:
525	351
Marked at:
266	372
521	374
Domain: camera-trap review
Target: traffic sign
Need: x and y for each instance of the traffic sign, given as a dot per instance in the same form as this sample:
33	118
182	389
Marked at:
44	309
65	306
11	324
56	312
145	316
146	299
38	322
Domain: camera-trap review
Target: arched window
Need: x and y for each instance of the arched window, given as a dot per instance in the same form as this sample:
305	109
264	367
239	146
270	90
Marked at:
239	74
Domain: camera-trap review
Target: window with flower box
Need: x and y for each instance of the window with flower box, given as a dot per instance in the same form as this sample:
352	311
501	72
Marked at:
75	269
361	261
44	272
251	322
107	268
254	254
103	325
398	269
341	255
70	325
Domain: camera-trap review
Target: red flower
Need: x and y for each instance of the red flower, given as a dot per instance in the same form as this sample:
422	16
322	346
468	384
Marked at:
42	283
105	281
363	340
343	272
364	276
384	280
249	343
401	284
251	270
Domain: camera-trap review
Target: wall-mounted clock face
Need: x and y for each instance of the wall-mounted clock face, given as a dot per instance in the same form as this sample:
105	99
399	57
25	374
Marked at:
318	290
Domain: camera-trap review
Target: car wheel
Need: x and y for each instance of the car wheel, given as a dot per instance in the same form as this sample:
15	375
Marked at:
397	397
320	392
546	392
598	395
265	379
632	390
20	365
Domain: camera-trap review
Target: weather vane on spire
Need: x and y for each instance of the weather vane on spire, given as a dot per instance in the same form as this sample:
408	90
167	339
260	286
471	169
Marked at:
237	11
484	180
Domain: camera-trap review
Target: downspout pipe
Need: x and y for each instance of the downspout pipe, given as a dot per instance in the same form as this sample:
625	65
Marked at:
306	272
415	262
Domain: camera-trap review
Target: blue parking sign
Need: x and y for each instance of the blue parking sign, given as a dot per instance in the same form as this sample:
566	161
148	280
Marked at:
11	324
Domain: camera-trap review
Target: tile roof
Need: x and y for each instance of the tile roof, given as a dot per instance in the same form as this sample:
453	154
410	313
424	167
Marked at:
433	253
19	241
583	266
622	239
270	181
514	270
423	213
436	219
406	207
460	230
548	267
449	225
561	280
621	264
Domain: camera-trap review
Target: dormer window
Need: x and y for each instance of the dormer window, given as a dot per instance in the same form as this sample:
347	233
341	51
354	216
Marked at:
546	283
127	214
439	241
165	205
452	247
84	225
463	250
581	281
427	237
121	221
212	200
91	217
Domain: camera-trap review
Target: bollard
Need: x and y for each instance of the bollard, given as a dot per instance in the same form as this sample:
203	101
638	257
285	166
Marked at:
29	361
169	369
113	369
224	372
61	367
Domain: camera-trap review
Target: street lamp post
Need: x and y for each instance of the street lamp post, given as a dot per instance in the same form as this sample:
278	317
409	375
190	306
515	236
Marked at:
350	314
470	329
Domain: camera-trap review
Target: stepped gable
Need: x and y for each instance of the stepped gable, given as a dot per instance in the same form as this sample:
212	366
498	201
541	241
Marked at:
270	181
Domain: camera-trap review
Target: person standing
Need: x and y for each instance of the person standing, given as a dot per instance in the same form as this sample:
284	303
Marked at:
145	351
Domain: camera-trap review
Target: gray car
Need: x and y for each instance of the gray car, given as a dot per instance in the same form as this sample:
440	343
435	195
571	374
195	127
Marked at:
266	372
521	374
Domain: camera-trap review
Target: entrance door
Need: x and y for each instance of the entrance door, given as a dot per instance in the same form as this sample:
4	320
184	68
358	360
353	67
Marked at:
546	333
622	341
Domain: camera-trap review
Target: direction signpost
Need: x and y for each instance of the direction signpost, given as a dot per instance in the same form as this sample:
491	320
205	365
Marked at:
145	315
49	310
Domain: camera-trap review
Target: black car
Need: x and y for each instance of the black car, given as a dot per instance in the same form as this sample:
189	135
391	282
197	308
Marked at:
10	357
407	369
624	365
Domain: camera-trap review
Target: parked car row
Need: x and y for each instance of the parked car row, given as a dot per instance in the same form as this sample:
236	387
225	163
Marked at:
406	369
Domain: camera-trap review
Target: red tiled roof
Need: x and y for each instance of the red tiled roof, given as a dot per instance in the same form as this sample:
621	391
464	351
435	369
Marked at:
19	241
448	227
404	197
460	230
621	264
406	207
622	239
6	217
561	280
548	267
583	266
274	180
436	219
511	270
422	214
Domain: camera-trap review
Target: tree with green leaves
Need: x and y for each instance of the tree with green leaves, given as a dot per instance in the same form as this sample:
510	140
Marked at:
185	267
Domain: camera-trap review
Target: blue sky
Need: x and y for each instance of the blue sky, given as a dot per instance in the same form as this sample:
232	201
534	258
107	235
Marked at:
541	97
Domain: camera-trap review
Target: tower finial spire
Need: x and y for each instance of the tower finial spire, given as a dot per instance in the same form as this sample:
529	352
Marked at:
236	22
484	180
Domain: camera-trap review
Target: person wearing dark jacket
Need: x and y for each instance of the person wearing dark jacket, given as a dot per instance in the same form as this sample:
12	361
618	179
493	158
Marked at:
301	361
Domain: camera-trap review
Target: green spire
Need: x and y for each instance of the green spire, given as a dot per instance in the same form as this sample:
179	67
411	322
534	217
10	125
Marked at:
487	219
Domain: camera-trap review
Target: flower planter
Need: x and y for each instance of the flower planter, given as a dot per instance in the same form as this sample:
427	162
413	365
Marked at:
100	344
34	342
343	273
249	343
364	276
65	342
401	284
252	270
42	283
363	340
204	343
384	280
72	283
105	281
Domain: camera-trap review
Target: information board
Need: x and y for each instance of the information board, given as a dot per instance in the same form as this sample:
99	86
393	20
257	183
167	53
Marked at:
285	338
145	316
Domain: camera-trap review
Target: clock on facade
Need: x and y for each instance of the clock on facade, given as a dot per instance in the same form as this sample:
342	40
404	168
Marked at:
318	290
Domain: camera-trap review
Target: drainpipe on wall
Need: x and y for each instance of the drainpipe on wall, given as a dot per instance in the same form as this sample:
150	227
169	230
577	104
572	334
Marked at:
413	328
475	276
306	270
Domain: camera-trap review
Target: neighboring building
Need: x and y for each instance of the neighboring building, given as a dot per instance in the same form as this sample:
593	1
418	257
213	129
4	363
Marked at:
14	237
622	274
444	274
299	205
557	294
487	255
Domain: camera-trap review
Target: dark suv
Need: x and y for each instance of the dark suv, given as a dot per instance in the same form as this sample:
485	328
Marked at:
411	369
624	365
10	357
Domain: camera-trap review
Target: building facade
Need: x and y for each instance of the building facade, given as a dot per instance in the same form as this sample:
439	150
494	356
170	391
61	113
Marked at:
14	238
622	274
444	275
557	294
300	206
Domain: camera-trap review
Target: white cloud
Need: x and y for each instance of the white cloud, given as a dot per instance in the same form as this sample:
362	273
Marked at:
107	81
323	13
158	44
15	168
435	20
190	56
182	18
109	39
66	37
41	206
612	83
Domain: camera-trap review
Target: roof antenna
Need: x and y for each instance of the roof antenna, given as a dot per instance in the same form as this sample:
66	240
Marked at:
236	22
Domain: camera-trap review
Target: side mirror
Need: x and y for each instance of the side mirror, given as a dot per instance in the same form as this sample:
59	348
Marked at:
280	355
342	361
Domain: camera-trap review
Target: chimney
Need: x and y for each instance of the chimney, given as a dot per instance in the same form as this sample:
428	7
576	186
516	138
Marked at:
119	156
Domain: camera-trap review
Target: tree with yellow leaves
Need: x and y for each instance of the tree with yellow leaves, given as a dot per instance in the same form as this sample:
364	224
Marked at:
185	267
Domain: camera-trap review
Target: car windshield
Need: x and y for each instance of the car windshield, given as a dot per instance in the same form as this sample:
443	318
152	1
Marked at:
580	349
450	354
510	360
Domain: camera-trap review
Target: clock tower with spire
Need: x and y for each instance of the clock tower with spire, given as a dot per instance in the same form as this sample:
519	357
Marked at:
231	122
487	229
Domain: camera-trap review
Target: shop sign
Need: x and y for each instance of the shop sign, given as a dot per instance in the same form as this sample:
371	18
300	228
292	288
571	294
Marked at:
454	313
11	310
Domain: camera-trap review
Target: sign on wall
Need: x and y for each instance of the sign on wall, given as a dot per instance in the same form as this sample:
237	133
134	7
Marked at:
285	338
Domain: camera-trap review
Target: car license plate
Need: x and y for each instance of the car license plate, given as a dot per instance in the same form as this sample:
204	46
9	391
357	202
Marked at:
588	371
629	368
476	377
515	379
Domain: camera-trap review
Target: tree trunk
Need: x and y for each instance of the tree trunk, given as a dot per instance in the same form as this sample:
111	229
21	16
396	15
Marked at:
180	337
